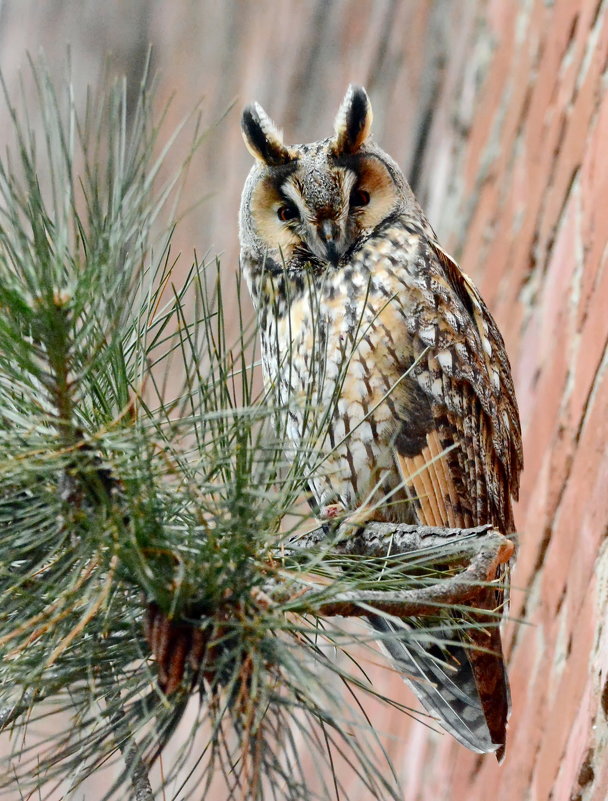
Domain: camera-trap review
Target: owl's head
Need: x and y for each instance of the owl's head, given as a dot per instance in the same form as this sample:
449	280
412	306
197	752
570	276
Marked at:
317	201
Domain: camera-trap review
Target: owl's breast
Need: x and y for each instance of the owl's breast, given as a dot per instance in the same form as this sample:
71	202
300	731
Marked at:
339	358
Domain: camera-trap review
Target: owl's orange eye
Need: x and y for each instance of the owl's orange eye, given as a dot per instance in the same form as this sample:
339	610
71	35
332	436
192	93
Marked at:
287	212
359	197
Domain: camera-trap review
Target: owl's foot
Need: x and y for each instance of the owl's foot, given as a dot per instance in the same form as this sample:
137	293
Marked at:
357	518
332	511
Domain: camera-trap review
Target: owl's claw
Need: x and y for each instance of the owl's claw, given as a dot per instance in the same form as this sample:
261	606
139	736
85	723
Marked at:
332	511
357	518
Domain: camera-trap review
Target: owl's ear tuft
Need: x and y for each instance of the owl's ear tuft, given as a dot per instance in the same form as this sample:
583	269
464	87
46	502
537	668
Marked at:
263	139
353	121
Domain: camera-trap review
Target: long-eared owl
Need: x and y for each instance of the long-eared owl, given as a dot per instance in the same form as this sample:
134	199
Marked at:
369	325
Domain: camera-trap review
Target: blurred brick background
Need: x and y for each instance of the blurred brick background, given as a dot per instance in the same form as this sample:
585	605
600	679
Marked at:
498	112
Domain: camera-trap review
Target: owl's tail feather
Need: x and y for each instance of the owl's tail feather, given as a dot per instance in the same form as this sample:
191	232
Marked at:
447	691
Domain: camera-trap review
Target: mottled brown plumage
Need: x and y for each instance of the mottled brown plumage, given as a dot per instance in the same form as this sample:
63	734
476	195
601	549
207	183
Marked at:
395	375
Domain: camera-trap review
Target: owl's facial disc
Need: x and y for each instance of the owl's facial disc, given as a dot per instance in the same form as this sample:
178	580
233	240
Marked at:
321	204
346	203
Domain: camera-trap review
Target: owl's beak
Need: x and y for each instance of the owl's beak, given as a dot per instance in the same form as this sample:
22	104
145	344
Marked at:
330	235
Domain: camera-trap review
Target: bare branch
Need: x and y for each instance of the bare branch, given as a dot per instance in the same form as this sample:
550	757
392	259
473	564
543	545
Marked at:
136	768
482	549
8	714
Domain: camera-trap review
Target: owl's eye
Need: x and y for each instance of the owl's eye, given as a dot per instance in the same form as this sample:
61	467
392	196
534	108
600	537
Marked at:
359	197
287	212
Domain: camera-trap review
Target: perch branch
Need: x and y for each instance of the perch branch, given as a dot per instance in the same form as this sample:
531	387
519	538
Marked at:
478	552
482	549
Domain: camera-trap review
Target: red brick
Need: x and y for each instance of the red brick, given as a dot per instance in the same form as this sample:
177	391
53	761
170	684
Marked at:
494	88
572	697
533	225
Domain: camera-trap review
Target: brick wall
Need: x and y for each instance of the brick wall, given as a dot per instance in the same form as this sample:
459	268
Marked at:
498	110
528	218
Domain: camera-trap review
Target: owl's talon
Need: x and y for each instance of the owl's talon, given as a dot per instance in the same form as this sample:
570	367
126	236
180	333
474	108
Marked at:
332	511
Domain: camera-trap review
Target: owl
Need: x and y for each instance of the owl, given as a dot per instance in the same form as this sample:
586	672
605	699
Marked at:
394	375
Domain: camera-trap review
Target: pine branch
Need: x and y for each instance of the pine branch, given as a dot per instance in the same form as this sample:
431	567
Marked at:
482	550
465	562
136	768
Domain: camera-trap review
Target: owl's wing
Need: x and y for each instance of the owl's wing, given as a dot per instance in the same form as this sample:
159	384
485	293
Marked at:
443	680
464	476
464	371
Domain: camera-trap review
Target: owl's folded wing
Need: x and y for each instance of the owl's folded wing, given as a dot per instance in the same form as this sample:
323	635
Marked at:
470	466
464	476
